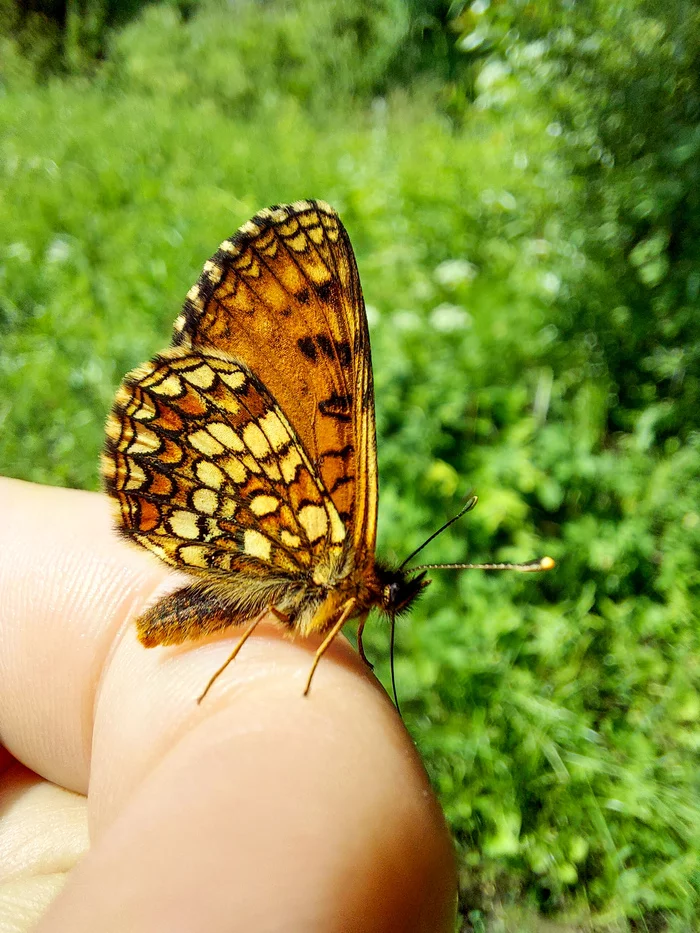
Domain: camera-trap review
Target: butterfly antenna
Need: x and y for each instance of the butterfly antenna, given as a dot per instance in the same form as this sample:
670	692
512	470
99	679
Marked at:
467	508
530	566
392	642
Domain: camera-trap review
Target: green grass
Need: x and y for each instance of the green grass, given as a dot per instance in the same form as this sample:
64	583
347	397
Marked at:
558	716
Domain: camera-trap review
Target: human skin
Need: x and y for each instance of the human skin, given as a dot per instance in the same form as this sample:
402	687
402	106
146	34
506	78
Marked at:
260	810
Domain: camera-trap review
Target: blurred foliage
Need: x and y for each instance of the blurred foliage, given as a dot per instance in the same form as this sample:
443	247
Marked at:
262	53
623	84
520	184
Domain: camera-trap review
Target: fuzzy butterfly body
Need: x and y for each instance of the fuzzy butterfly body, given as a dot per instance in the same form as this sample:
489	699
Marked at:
245	453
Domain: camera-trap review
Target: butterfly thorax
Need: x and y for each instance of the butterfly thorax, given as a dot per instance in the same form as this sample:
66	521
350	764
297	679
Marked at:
366	582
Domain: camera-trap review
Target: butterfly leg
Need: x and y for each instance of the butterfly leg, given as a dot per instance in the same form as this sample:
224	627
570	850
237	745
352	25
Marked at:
360	646
241	641
321	650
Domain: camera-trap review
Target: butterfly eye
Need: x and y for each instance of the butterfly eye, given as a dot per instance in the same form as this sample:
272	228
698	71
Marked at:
397	595
390	596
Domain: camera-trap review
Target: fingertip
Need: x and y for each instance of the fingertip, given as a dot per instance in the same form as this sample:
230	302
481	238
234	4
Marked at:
315	810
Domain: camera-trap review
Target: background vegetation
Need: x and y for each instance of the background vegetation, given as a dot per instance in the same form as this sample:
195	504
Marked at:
520	182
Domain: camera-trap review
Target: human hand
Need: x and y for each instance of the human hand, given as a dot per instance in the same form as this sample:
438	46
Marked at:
259	810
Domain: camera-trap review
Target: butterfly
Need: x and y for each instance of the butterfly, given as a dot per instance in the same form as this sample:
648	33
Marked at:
245	454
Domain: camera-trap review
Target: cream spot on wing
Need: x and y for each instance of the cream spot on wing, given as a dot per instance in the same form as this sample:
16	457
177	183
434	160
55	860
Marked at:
264	505
337	527
195	298
202	377
137	477
314	520
113	427
205	500
154	548
251	463
269	249
331	227
124	397
146	441
120	475
202	441
212	530
289	228
234	469
290	540
226	435
234	380
274	430
228	247
108	467
256	441
256	545
272	471
193	555
184	524
250	228
170	386
227	509
179	323
252	270
147	409
223	364
306	215
289	465
176	362
212	271
209	474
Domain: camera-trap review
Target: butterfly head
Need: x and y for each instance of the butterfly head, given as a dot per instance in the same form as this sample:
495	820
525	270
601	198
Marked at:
400	589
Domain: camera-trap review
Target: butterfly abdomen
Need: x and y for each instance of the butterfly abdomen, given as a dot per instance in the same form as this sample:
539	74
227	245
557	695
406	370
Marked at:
208	606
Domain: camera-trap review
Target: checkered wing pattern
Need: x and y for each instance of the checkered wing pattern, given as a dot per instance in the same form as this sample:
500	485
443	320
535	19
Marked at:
245	454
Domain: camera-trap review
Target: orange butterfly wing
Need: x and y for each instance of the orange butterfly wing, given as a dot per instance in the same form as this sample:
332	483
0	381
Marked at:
283	296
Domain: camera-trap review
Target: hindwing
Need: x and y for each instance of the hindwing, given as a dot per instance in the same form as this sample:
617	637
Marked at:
208	473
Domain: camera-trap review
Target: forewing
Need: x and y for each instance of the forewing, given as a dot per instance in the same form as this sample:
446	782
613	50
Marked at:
208	474
283	296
